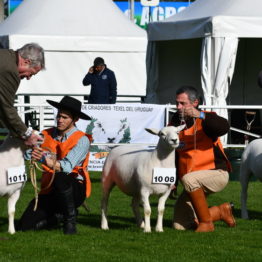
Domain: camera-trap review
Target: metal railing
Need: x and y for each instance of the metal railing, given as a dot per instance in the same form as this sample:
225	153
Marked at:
45	118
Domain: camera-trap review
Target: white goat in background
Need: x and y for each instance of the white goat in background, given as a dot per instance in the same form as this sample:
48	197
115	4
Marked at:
131	169
11	155
251	163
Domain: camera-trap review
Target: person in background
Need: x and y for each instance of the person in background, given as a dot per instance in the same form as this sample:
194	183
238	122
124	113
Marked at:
202	165
103	83
71	183
23	63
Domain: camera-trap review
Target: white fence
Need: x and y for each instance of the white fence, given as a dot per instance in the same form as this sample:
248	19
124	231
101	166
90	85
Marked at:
42	116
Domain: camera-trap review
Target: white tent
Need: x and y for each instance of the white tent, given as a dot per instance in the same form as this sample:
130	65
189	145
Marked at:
73	33
203	46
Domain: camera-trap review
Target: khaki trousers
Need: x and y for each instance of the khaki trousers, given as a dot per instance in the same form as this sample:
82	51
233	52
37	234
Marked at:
211	181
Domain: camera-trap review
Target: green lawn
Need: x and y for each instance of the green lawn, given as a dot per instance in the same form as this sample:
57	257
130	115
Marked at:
125	242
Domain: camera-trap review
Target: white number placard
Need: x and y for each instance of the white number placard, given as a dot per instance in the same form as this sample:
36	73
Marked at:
149	2
164	175
16	175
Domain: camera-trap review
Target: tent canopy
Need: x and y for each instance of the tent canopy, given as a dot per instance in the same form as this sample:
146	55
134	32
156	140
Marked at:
220	18
73	33
203	46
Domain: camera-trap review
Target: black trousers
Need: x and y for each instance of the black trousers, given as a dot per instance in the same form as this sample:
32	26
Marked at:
48	206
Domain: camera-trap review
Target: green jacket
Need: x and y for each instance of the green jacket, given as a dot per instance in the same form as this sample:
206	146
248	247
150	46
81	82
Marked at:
9	83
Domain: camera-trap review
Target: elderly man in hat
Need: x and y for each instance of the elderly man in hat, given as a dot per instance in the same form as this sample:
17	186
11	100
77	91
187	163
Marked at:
65	181
103	83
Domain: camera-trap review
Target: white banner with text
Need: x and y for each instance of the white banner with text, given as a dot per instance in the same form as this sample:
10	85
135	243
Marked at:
119	123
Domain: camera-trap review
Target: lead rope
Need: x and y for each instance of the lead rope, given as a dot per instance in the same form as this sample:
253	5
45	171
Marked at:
33	166
182	122
195	132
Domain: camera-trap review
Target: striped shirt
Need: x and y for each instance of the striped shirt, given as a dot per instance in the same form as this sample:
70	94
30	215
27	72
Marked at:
75	156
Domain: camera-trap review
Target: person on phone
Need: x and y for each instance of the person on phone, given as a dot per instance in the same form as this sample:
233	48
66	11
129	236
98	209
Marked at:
103	83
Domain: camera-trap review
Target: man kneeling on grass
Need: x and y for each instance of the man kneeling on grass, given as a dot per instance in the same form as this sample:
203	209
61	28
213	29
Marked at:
202	164
71	183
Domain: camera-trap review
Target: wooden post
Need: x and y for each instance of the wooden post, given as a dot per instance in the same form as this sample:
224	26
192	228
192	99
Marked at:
2	13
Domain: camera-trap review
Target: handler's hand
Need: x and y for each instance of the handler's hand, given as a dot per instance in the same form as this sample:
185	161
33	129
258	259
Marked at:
37	153
190	112
34	140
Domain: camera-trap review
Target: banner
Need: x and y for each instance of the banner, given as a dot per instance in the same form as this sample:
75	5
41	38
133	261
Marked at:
119	123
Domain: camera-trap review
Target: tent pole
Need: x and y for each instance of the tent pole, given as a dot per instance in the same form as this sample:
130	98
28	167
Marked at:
2	13
131	4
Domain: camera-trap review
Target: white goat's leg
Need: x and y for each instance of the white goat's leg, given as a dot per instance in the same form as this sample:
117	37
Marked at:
244	180
136	211
161	209
147	210
11	210
104	203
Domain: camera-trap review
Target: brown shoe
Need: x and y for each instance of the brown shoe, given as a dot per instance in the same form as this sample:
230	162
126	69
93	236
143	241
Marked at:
198	200
227	215
205	227
223	212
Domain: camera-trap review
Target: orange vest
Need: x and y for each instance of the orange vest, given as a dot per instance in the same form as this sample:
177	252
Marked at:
61	149
196	152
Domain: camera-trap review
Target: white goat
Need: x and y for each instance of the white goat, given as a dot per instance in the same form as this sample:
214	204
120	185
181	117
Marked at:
251	163
131	169
11	155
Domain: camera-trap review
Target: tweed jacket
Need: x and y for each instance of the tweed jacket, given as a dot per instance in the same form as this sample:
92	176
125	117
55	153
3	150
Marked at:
9	83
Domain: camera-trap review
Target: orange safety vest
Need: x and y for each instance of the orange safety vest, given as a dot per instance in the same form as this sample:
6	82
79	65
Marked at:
196	152
61	149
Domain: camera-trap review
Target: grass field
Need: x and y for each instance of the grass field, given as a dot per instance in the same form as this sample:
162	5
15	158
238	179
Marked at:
125	242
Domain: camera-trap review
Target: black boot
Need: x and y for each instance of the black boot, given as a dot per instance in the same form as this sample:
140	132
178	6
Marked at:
67	205
42	224
50	223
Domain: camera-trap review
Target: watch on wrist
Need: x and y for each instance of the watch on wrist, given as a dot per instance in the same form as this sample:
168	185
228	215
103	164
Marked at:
202	115
28	133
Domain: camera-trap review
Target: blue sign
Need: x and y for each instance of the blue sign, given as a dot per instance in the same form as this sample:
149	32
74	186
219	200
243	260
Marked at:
145	14
12	5
142	14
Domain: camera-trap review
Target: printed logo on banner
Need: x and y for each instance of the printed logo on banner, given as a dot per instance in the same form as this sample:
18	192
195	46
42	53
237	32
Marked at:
119	132
100	130
119	123
97	159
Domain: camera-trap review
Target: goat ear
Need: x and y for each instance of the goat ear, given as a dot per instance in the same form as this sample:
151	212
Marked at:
179	128
152	131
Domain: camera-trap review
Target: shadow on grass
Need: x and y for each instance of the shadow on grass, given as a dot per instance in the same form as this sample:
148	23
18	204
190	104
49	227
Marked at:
252	214
3	221
95	180
115	222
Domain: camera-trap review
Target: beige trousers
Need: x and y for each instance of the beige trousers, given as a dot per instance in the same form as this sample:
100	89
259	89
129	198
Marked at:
211	181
